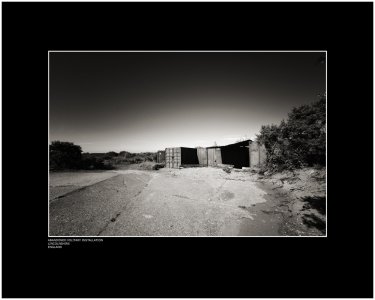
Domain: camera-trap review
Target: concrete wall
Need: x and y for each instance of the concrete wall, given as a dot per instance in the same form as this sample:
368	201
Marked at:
257	155
202	156
214	156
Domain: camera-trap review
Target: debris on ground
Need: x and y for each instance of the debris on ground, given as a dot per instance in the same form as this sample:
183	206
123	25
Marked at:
305	213
190	166
147	165
227	170
225	165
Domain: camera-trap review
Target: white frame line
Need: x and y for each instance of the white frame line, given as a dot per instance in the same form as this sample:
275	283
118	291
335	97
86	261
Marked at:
194	51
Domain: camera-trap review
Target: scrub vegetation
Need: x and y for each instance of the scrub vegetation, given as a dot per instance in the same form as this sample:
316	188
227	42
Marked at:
298	142
68	156
296	166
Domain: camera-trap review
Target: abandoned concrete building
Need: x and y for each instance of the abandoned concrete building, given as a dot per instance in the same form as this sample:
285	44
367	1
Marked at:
242	154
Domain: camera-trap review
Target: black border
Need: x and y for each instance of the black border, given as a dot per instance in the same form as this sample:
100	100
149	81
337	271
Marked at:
340	265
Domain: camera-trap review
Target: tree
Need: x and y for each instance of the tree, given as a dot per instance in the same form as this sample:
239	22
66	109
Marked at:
110	155
300	140
123	153
64	155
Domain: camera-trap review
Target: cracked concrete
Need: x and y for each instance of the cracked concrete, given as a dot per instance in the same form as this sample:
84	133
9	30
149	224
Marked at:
168	202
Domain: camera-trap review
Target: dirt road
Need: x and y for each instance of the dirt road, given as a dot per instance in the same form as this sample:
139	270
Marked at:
168	202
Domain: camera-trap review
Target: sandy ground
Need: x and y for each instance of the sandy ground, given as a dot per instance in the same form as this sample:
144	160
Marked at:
170	202
305	212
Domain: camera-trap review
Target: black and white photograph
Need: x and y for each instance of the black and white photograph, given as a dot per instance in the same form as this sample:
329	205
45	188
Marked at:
187	149
187	143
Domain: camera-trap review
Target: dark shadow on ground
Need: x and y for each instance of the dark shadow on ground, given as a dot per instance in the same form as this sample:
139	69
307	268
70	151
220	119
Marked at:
312	220
318	203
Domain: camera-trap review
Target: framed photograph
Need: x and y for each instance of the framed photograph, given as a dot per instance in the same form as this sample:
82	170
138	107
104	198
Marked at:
187	150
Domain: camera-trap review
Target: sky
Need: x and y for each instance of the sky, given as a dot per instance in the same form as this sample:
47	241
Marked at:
140	102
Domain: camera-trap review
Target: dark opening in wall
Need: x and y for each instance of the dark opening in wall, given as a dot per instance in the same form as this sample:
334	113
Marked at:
235	155
189	156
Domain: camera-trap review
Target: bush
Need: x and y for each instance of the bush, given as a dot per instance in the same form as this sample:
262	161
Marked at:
127	157
95	163
124	154
64	155
110	155
300	141
149	158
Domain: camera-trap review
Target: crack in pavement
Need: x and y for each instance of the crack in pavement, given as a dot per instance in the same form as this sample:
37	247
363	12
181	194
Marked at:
112	220
216	193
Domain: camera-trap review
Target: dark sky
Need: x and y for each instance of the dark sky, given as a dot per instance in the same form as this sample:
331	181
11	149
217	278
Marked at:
114	101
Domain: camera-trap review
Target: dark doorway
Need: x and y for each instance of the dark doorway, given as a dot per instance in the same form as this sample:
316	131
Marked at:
235	155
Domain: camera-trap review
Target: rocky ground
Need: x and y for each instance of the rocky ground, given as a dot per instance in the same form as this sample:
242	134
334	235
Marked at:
304	212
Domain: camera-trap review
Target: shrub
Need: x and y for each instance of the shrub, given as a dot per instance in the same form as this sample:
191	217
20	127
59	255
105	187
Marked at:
95	163
300	141
110	155
64	155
